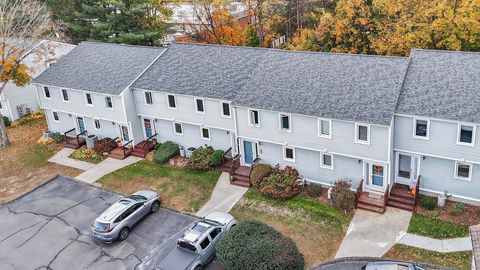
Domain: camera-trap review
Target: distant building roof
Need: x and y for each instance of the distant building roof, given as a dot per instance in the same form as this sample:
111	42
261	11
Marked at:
100	67
442	84
359	88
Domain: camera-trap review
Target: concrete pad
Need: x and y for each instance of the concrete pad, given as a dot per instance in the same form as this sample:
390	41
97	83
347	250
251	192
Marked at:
62	158
438	245
105	167
372	235
224	196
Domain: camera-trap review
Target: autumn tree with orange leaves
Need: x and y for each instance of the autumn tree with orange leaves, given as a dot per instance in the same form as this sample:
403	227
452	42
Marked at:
22	24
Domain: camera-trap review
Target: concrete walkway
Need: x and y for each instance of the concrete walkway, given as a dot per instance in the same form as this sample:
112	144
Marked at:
62	158
105	167
438	245
224	196
372	235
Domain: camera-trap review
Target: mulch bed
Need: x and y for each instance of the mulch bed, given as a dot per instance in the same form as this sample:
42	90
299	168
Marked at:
470	217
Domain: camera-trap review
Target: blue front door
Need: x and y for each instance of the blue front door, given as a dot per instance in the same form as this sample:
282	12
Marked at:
148	127
248	151
81	124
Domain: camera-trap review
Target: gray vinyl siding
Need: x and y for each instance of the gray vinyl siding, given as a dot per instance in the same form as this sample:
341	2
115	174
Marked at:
65	123
307	162
305	134
136	128
442	140
185	111
220	139
77	104
16	95
437	175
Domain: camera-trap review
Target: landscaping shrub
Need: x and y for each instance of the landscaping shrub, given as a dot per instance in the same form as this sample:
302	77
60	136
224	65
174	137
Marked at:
6	121
259	172
313	190
216	158
28	118
85	154
166	151
281	184
428	203
343	198
58	137
45	140
104	145
257	246
157	146
458	208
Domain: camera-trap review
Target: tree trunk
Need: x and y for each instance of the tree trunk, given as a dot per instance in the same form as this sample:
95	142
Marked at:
4	141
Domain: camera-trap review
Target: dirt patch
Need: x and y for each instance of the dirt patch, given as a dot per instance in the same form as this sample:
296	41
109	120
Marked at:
24	165
470	216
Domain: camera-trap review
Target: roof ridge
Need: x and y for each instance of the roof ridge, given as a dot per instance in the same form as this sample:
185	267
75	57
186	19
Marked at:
289	51
121	45
444	51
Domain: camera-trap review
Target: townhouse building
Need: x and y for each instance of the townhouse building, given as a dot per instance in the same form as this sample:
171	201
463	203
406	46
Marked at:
329	115
17	101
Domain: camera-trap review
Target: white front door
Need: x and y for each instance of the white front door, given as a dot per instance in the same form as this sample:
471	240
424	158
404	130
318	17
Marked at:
405	168
124	133
376	178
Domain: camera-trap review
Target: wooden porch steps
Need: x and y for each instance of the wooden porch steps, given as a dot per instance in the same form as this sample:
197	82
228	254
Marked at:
73	145
366	202
227	166
117	153
400	197
142	148
241	176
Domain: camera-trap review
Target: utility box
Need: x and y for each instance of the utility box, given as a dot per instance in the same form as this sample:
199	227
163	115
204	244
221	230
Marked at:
190	152
91	140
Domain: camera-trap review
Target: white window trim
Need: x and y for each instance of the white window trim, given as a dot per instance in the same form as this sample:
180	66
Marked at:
470	172
289	122
151	98
53	117
175	100
86	99
201	133
105	102
285	154
229	108
322	165
367	142
415	128
320	128
94	126
63	98
175	130
250	122
474	131
196	107
50	92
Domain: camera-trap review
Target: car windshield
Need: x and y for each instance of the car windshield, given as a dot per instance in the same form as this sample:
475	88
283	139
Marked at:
102	227
137	198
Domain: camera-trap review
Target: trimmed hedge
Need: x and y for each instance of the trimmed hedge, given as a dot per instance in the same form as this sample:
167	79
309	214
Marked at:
216	158
428	203
343	198
205	157
259	172
165	151
257	246
281	184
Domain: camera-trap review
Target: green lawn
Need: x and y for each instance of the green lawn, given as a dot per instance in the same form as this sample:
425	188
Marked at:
460	260
179	188
435	228
317	229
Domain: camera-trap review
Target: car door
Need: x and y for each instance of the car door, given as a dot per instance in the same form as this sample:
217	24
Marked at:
215	235
207	250
137	212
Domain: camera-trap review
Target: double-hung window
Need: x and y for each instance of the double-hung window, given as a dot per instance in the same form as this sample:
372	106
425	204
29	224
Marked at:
362	133
65	95
226	109
285	122
205	132
254	118
326	161
172	102
55	116
178	128
463	171
88	99
148	98
325	128
199	105
46	92
421	128
289	154
108	102
466	134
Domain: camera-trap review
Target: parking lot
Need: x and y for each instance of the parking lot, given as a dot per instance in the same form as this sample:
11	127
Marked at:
49	228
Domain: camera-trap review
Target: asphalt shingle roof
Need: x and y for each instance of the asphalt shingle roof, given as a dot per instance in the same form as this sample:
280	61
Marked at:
442	84
340	86
99	67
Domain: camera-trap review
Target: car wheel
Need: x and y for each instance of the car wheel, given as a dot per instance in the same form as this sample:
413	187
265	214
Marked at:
123	234
155	206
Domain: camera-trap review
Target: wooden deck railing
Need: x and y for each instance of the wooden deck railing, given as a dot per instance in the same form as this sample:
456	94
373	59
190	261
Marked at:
146	142
78	137
125	147
110	145
385	195
235	165
359	191
226	156
75	136
65	134
417	190
255	162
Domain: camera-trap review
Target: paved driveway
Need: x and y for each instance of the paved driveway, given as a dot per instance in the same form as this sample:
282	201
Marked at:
49	228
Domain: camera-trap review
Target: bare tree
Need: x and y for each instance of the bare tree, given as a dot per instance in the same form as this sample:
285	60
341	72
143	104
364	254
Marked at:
22	24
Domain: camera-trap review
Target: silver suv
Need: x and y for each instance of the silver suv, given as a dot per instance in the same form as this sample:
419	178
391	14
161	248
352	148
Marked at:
117	221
